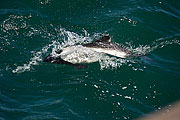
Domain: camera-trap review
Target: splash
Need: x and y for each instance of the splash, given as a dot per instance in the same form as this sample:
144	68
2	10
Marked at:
44	2
60	38
66	38
37	57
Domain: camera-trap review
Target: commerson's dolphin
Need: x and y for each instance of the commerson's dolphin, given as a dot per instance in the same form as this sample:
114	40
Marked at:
87	53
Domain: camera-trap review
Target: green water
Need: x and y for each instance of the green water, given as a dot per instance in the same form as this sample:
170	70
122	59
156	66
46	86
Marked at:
112	88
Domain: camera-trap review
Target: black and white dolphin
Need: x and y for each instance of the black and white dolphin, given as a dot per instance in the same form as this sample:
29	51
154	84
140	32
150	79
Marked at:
87	53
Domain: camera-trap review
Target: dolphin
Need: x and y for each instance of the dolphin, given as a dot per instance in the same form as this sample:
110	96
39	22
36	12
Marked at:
87	53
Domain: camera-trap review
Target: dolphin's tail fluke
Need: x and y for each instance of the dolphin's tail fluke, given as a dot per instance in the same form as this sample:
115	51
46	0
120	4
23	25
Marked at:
145	58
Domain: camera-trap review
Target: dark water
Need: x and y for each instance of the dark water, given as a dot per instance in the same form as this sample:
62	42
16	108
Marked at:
112	88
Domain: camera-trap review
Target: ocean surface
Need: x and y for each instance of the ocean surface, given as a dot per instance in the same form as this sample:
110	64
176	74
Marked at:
112	88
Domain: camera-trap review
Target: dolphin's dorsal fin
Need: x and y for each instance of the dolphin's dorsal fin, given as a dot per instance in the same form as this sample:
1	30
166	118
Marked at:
105	39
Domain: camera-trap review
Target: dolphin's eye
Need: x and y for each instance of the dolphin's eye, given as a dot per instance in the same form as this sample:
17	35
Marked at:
59	51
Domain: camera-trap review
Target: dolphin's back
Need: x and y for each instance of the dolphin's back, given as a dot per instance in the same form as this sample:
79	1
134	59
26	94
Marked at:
105	46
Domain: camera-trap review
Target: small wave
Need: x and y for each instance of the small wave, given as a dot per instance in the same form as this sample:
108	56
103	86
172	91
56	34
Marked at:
158	43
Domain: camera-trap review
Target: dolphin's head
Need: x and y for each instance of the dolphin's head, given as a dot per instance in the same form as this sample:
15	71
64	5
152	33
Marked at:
48	58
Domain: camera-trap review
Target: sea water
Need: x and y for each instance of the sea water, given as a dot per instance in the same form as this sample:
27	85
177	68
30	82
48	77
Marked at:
111	88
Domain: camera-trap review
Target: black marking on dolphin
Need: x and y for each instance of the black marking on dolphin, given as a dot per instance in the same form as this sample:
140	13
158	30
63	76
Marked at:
58	60
102	45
